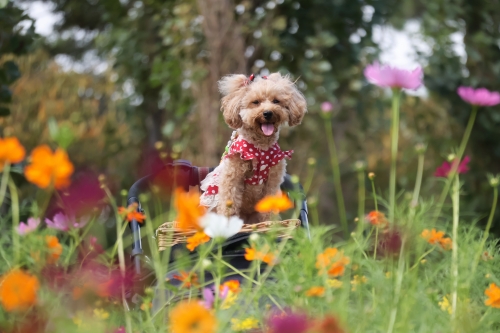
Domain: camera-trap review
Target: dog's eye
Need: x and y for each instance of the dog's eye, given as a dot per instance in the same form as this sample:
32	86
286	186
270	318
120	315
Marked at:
255	102
275	101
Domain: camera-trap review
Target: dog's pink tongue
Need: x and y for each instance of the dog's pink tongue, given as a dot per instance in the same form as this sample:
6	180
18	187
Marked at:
268	129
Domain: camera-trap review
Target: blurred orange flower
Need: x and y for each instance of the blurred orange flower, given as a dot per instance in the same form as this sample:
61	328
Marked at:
18	290
55	249
130	213
192	317
49	168
493	293
11	151
329	324
274	203
377	219
188	209
253	254
188	279
315	292
437	238
232	285
332	261
197	239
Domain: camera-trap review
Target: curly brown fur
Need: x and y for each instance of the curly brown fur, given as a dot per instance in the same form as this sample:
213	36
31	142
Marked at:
243	106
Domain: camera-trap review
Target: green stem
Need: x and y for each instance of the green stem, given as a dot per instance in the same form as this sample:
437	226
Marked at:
374	192
456	163
121	259
376	244
336	177
361	196
420	259
15	220
397	291
486	231
5	180
396	95
418	182
454	255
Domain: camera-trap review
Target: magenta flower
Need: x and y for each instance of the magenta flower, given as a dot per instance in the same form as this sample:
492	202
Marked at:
480	96
28	227
288	322
444	169
208	296
390	77
326	107
63	222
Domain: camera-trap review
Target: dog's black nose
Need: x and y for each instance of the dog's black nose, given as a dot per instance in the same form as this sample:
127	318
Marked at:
268	114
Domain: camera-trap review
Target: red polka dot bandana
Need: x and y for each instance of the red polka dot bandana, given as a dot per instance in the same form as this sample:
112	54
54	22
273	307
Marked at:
262	161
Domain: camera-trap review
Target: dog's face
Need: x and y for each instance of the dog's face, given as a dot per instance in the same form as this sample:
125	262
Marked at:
261	105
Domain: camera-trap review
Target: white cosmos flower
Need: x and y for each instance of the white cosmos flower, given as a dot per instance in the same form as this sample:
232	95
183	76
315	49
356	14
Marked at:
219	226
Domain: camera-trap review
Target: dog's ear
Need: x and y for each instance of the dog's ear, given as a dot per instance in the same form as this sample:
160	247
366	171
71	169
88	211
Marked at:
232	88
297	105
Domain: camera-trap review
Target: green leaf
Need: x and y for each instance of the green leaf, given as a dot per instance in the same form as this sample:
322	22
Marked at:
5	94
12	72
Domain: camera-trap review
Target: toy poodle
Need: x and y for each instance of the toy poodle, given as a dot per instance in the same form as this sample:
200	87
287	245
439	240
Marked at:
253	165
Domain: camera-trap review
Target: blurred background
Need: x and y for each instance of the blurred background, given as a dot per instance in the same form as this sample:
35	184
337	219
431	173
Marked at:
135	83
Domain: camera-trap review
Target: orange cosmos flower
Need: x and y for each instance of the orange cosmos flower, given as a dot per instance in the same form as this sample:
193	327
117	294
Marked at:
274	203
437	238
253	254
18	290
49	168
197	239
315	292
188	209
130	213
329	324
192	317
232	285
55	249
332	261
377	219
11	151
188	279
493	293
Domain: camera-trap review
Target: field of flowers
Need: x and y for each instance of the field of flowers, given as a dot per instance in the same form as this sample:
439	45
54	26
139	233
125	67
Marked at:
414	264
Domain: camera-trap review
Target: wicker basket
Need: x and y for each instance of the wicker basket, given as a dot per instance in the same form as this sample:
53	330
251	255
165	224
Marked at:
168	234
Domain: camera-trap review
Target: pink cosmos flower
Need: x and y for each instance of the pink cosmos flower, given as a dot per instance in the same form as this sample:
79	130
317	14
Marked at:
208	296
480	96
326	107
444	169
390	77
62	222
29	226
288	323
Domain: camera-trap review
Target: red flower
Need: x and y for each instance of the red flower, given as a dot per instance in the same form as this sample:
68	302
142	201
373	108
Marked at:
445	168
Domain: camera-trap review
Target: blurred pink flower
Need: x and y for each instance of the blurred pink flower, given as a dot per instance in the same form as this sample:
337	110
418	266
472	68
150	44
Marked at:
208	296
288	322
390	242
326	107
63	222
387	76
444	169
28	227
480	96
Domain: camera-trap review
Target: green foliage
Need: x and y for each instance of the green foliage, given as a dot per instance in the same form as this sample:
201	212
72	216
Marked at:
12	41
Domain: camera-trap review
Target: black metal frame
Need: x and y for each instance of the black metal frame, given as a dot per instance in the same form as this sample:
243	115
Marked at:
183	174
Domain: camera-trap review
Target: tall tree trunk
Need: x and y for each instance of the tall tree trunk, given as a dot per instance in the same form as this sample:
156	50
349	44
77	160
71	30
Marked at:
226	55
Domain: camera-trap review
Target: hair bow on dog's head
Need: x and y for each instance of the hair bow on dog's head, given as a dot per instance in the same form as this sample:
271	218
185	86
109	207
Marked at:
252	77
